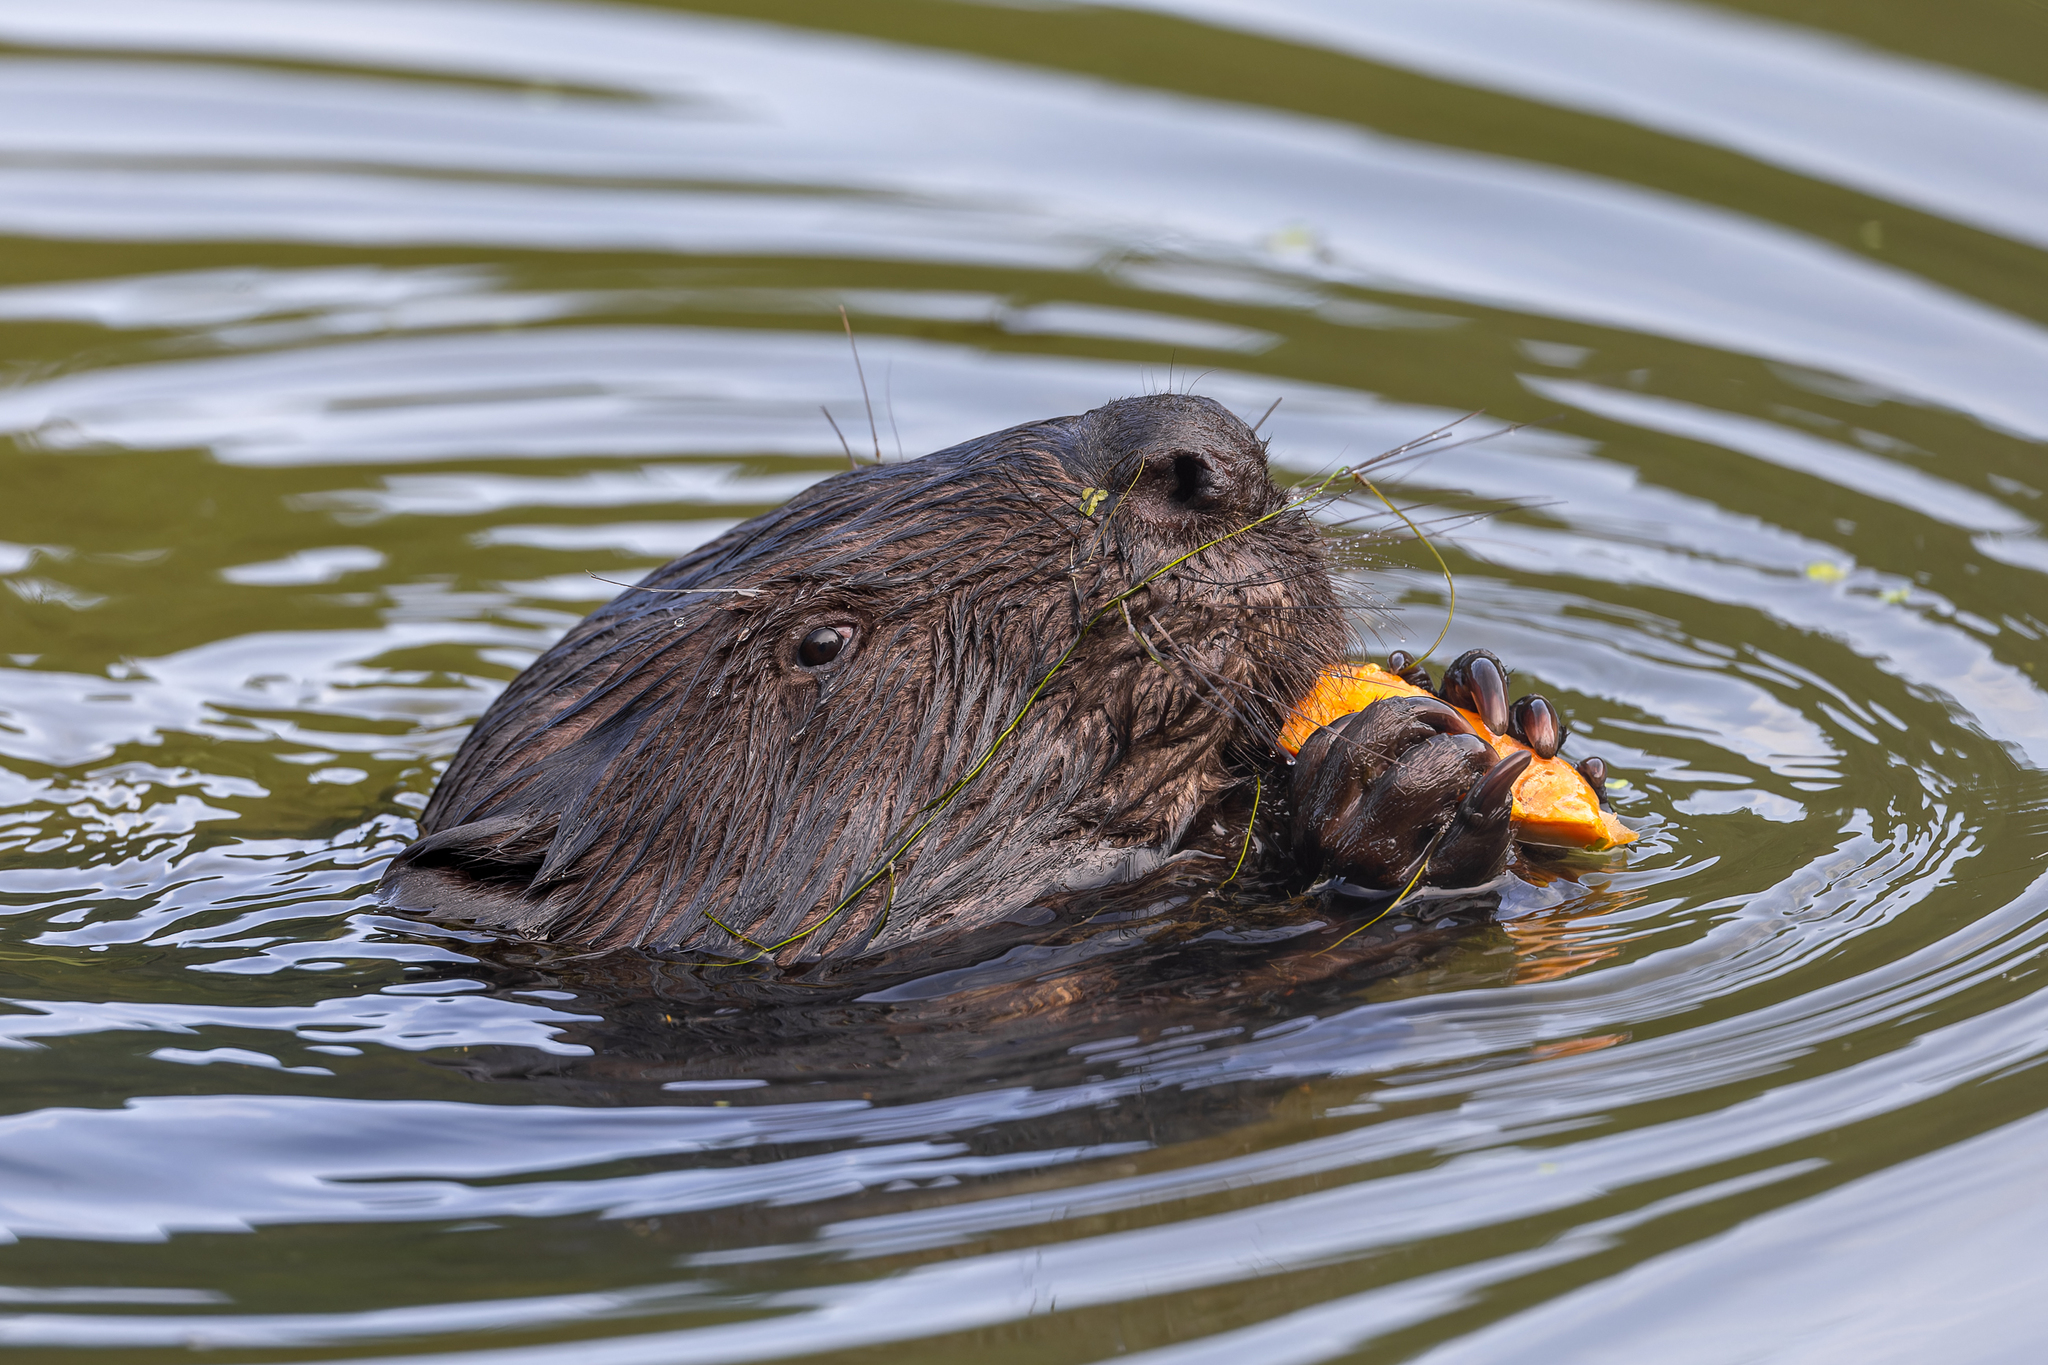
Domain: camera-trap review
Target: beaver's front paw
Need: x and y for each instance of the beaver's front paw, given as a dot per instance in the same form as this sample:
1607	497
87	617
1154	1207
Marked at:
1407	784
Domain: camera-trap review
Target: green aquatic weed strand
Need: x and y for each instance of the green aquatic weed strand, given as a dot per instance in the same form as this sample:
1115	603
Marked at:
750	942
1251	822
1450	611
1450	583
931	810
936	807
1421	865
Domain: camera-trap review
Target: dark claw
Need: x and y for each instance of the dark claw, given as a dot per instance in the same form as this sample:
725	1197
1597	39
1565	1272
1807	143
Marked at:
1535	722
1477	681
1494	793
1474	849
1594	770
1408	669
1439	716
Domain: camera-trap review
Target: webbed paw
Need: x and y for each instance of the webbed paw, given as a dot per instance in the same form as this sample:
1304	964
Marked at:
1407	781
1409	786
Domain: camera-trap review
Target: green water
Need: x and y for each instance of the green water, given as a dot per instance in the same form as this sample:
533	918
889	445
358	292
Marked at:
343	342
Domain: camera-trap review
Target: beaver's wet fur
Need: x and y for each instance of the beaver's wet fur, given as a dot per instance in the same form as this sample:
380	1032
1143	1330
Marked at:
674	776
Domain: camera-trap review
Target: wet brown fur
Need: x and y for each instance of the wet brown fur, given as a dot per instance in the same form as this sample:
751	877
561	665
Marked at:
671	776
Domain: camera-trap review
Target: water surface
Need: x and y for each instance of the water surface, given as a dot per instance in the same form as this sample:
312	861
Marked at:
345	341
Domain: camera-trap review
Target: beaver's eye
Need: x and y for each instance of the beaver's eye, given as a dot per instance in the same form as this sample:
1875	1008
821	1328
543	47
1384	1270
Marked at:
821	646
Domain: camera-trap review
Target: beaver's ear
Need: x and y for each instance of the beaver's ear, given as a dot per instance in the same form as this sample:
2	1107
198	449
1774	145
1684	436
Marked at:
479	872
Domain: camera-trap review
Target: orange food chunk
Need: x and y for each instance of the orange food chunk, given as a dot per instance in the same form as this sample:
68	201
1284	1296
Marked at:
1554	804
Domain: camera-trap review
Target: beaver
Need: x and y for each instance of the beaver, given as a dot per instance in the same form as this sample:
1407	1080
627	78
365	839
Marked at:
923	696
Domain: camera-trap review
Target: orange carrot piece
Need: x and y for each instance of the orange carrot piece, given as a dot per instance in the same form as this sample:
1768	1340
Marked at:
1554	804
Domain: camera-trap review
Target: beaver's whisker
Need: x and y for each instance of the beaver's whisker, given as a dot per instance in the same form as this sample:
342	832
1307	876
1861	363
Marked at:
861	374
1139	635
1352	499
744	592
1429	438
844	444
1317	609
1438	443
889	407
1274	579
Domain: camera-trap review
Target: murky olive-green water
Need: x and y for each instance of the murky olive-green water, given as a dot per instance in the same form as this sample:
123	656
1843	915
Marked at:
343	341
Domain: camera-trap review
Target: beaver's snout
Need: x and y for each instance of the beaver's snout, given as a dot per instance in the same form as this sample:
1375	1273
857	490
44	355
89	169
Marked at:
1206	481
1196	460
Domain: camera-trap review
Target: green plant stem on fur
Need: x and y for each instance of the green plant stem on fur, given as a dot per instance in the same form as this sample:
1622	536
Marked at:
1421	866
1250	823
933	809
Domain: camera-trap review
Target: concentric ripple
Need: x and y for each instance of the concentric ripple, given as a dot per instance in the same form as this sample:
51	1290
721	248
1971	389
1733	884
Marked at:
352	346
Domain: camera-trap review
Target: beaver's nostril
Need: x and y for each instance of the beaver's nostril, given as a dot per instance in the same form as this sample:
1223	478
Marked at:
1195	460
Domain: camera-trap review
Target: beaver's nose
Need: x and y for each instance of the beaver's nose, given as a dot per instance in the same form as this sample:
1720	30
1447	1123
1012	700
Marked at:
1180	456
1219	482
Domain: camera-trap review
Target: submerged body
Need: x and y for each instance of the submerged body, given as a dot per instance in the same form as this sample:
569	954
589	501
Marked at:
922	696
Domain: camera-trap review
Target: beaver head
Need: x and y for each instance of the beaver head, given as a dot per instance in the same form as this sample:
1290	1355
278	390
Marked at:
913	699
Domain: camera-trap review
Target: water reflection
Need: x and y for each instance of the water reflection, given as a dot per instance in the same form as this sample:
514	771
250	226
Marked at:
1046	173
